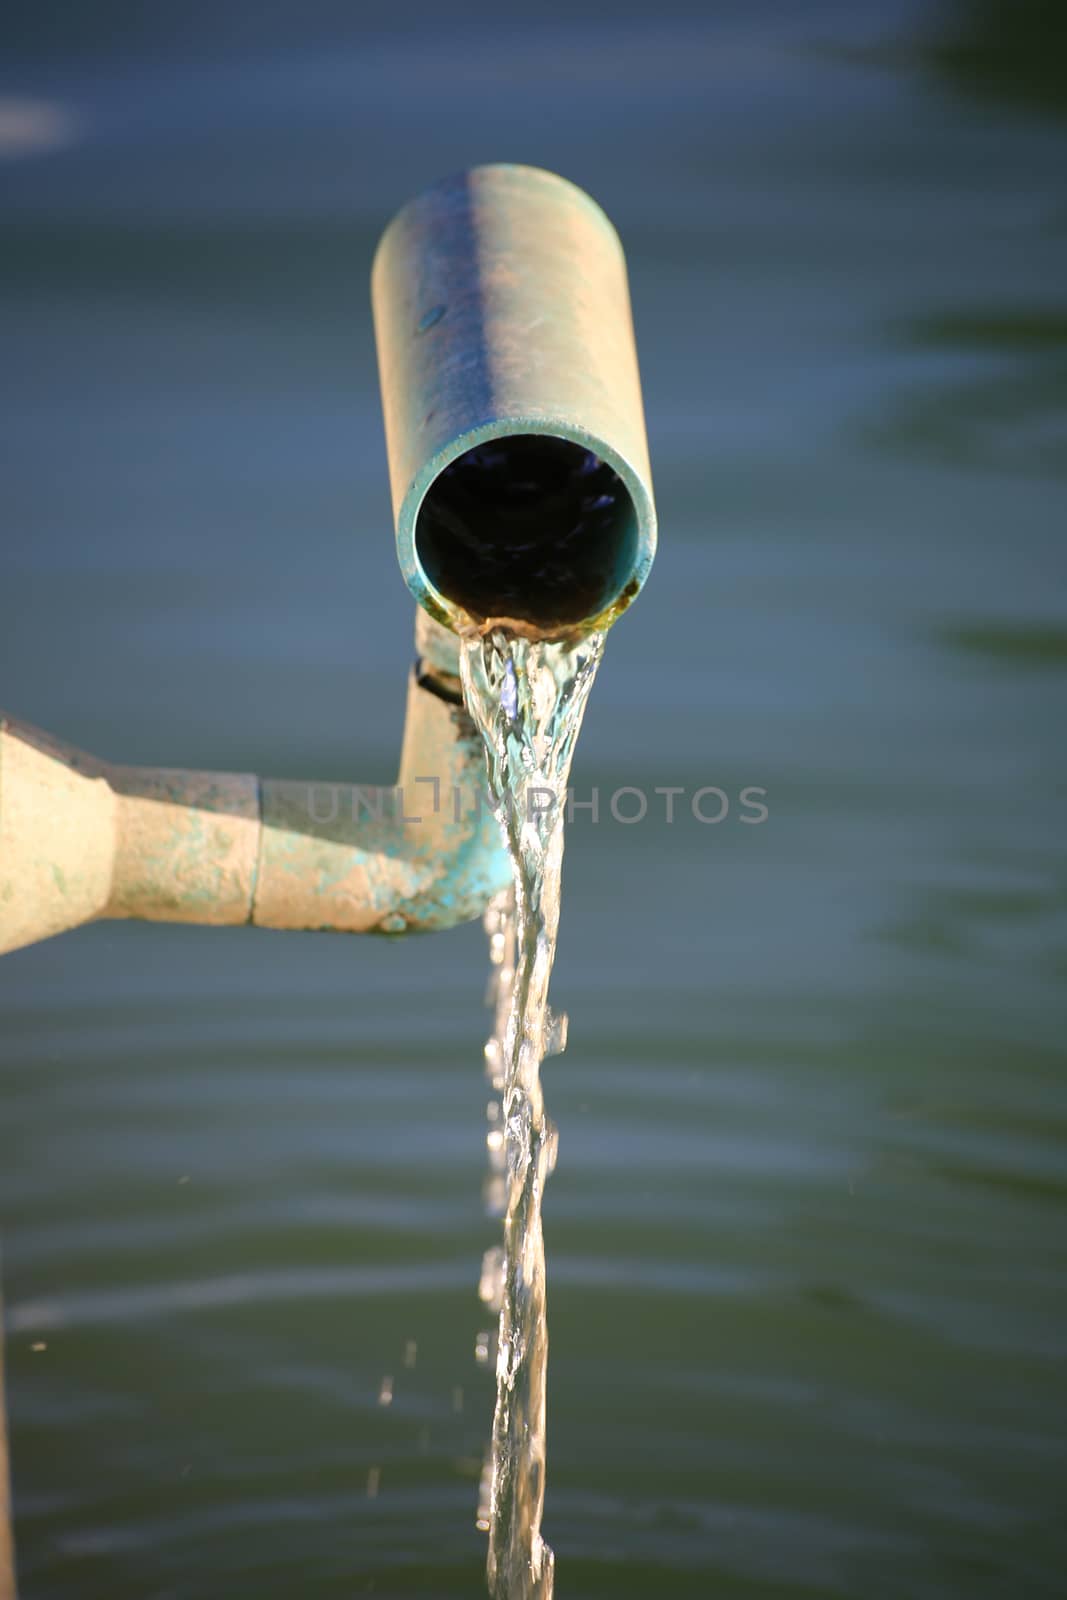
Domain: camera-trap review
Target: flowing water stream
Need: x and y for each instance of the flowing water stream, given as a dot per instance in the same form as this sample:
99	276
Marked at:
527	698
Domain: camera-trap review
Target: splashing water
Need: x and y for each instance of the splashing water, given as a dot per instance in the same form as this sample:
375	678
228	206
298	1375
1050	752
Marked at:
527	698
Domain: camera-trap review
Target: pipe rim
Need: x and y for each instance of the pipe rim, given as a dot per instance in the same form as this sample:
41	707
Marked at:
453	615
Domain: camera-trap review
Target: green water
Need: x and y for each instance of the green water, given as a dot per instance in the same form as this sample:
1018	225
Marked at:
805	1234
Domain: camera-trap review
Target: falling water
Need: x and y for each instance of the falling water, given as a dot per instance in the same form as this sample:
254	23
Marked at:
527	697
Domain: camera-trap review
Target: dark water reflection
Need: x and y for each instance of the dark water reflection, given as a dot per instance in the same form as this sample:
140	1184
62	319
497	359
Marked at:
1005	51
805	1235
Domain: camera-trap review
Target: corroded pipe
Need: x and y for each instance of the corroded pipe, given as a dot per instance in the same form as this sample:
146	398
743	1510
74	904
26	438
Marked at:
82	838
512	402
522	494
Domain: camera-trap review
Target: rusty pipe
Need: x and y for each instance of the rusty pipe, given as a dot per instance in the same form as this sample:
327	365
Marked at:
512	403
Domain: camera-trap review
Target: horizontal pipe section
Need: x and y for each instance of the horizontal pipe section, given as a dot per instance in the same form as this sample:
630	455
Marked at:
82	839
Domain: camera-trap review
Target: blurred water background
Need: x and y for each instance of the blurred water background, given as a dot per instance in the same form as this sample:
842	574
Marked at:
805	1240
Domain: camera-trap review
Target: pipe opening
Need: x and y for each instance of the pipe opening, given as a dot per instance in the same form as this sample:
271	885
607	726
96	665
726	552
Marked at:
532	527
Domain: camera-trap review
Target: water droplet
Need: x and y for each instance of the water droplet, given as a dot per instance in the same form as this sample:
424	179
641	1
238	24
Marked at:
556	1033
491	1282
509	692
485	1495
494	1195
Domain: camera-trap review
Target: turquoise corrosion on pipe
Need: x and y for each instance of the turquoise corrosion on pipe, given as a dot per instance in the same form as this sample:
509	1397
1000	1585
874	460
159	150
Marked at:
522	496
512	402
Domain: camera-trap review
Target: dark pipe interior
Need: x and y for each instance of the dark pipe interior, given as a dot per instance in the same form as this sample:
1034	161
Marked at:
531	527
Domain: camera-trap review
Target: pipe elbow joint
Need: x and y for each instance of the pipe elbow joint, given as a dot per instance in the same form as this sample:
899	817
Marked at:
421	856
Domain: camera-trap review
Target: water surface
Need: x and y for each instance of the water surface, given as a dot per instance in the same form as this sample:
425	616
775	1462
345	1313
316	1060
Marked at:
806	1229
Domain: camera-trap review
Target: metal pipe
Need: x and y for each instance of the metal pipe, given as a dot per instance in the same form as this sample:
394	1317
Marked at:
512	402
82	838
522	494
